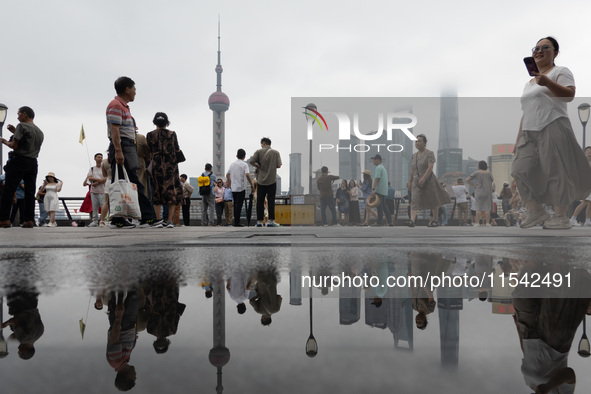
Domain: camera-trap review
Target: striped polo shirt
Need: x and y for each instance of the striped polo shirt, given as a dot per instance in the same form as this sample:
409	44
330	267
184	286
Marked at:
118	113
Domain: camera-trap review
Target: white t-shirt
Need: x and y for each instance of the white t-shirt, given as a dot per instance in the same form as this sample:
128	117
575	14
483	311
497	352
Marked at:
539	360
540	107
355	193
460	193
96	172
237	172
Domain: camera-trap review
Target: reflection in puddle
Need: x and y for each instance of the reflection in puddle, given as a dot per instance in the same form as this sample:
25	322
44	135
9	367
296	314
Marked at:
161	317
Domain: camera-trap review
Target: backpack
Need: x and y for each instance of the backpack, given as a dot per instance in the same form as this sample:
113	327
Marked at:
204	183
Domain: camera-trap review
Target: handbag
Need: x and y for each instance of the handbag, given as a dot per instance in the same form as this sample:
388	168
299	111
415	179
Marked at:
86	206
180	156
123	197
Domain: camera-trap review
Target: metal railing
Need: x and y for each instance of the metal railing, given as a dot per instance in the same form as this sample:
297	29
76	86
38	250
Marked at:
71	209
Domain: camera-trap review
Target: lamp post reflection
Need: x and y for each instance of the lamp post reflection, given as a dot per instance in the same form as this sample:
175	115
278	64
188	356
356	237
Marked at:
3	112
3	345
311	344
584	346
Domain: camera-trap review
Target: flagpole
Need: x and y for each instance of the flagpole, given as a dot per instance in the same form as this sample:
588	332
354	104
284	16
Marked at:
82	139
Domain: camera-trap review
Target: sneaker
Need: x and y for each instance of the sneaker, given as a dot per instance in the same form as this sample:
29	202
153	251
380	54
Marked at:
169	225
535	217
93	224
272	223
574	222
587	223
155	223
259	223
557	223
123	225
239	225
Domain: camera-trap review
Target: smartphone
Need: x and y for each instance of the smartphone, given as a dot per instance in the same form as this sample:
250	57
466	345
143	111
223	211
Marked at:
531	65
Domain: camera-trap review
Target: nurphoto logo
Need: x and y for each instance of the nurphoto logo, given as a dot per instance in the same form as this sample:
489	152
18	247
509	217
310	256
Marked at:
394	122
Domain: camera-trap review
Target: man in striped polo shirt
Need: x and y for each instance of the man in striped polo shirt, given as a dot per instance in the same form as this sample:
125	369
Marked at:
123	149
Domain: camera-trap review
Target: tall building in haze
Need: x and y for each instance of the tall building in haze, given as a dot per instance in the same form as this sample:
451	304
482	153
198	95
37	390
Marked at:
449	154
295	174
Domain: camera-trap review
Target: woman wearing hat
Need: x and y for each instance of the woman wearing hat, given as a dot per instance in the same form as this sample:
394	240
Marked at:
52	186
427	192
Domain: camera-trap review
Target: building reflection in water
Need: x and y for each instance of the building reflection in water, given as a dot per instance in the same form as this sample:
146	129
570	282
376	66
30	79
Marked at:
545	322
219	355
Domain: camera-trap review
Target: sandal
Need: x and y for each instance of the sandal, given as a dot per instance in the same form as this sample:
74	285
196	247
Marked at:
410	223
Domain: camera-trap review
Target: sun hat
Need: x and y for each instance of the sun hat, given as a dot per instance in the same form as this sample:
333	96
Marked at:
372	201
50	174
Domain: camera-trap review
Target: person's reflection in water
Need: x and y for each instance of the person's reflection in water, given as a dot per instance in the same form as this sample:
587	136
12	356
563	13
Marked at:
26	323
238	285
163	311
423	301
122	336
546	329
267	301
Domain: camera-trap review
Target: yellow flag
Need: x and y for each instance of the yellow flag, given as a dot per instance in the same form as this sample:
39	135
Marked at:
82	135
82	327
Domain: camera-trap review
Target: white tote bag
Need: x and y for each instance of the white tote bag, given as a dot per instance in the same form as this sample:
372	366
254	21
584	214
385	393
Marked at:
123	198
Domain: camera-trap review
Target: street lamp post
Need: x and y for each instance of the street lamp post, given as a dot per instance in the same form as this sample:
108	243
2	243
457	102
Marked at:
313	107
3	113
584	110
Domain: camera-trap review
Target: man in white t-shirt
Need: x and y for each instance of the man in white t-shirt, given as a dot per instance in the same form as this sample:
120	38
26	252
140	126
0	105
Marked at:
235	180
461	201
96	180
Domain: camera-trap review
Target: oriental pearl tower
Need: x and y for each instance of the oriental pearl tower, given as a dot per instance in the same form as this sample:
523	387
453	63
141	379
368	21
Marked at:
219	104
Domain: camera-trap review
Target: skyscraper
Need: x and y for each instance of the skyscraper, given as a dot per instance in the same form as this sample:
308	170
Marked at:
295	174
349	161
219	104
449	154
501	162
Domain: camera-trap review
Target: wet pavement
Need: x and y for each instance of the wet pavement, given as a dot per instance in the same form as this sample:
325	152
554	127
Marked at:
153	284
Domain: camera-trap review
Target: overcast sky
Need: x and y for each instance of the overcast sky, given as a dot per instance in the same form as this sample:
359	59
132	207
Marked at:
62	57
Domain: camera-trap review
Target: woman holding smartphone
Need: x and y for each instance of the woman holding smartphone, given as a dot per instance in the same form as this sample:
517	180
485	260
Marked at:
549	165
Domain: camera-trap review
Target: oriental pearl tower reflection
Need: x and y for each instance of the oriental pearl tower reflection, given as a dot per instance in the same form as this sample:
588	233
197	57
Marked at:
219	355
